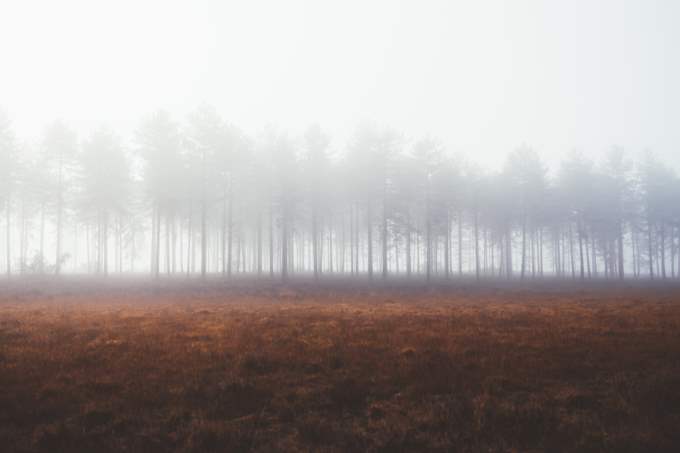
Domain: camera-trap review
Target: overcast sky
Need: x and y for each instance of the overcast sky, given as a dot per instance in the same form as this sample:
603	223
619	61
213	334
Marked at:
484	76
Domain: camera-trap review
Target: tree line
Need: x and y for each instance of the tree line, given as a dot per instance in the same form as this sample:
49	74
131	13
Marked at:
200	197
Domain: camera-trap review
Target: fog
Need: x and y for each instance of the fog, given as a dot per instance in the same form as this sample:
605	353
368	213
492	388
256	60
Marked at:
430	139
483	77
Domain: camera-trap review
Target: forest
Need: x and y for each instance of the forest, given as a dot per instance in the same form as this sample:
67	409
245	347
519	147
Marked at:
200	197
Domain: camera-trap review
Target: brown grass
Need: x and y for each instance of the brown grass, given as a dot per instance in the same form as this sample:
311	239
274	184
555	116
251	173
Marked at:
520	370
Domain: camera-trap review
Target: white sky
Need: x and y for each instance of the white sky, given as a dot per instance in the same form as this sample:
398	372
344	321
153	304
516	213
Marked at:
483	76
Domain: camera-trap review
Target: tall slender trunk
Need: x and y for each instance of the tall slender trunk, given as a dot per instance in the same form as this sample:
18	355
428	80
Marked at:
428	243
120	243
460	243
8	237
476	243
204	216
223	230
384	239
662	246
167	244
42	237
351	239
594	254
508	253
57	261
315	242
189	239
580	248
152	255
540	252
587	256
408	247
330	244
447	244
369	239
620	244
524	247
174	245
132	250
157	251
678	253
271	239
230	226
571	252
259	241
649	247
284	242
105	244
204	236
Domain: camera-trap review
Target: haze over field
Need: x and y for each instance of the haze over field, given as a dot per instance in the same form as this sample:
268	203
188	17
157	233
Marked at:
396	138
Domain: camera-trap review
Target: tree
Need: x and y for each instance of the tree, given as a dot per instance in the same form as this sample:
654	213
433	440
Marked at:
60	145
285	175
371	164
159	147
317	173
205	133
8	160
576	179
656	191
105	181
525	176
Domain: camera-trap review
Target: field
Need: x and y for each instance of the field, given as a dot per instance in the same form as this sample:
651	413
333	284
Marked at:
189	367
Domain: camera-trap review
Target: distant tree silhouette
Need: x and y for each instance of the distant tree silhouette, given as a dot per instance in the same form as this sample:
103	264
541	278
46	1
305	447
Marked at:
8	159
205	198
105	173
60	145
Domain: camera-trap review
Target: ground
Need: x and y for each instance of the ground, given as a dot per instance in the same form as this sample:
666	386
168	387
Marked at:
193	367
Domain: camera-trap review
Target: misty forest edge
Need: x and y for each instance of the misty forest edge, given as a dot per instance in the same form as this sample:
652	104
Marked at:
201	197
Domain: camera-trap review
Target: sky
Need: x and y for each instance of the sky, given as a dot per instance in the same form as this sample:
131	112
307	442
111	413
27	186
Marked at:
483	76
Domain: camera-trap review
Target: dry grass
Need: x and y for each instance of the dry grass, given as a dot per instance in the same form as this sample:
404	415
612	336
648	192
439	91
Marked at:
514	370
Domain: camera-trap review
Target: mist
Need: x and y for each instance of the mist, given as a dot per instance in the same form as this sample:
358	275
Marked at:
259	226
483	77
201	197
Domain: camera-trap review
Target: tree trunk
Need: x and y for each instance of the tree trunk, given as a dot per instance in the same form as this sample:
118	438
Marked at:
649	247
580	249
271	240
428	243
259	241
460	243
447	244
157	251
620	244
284	242
508	254
571	253
167	244
230	227
408	247
524	247
477	244
42	237
57	262
369	239
384	240
662	246
204	236
8	238
223	230
315	243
